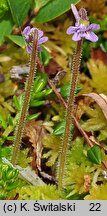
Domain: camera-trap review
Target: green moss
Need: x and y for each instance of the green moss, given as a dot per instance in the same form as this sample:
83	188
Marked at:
98	192
52	145
47	192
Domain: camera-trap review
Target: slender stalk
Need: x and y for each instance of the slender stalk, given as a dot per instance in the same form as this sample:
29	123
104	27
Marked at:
27	95
59	96
70	109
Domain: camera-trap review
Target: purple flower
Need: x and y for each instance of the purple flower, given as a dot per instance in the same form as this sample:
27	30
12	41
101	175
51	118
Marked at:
28	34
82	28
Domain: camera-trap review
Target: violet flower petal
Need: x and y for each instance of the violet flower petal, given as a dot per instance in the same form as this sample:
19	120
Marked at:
40	33
32	30
76	14
82	28
76	37
42	40
71	30
93	26
26	31
91	36
29	49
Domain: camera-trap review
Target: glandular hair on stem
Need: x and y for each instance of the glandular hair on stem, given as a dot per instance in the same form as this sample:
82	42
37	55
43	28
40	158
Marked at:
70	108
27	95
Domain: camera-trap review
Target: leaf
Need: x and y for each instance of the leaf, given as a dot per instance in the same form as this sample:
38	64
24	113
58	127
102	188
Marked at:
42	94
41	3
35	103
65	89
10	120
100	101
19	10
59	129
19	40
44	56
33	116
11	138
103	46
40	82
3	7
16	102
95	155
5	27
54	9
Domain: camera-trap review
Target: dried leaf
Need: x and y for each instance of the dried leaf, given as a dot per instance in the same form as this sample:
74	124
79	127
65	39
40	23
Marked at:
100	101
35	131
104	97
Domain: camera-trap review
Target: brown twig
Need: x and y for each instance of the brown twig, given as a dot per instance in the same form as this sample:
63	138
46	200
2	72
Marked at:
104	164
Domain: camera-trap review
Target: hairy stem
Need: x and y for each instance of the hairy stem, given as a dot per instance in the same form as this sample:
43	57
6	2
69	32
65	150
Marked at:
28	88
70	109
